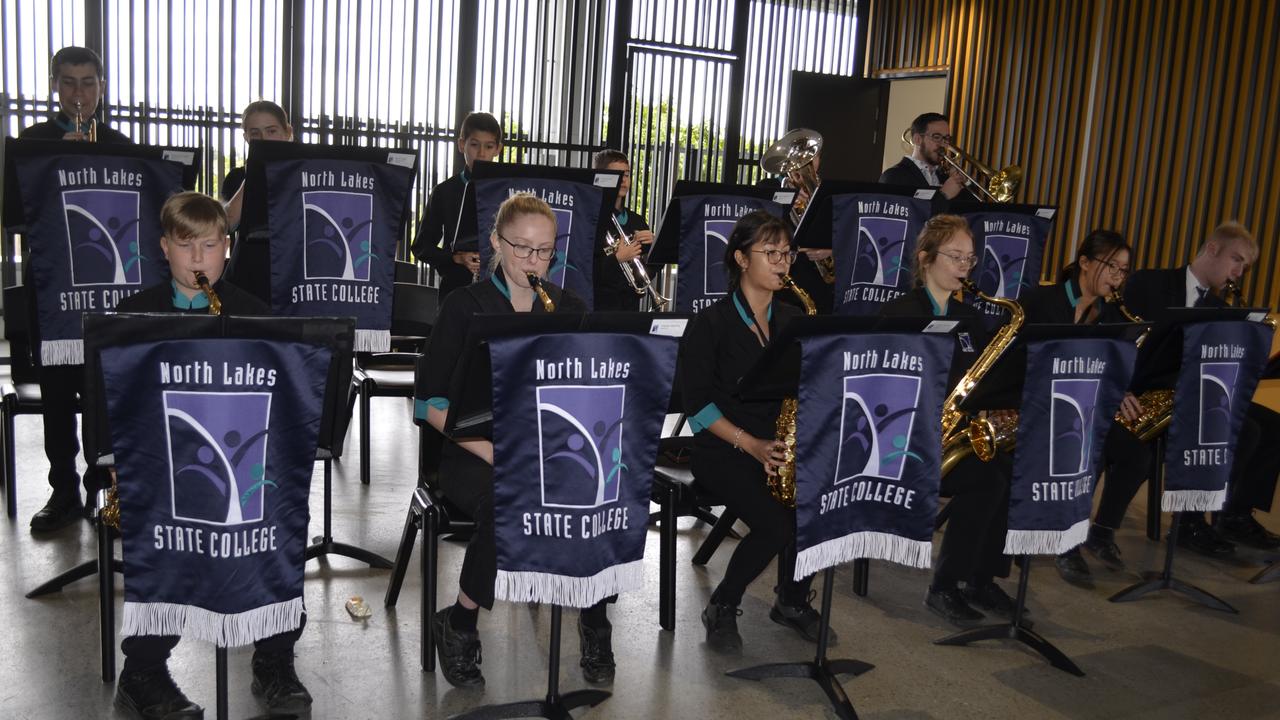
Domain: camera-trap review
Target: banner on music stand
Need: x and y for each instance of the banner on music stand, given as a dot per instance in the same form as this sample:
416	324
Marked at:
1221	364
705	224
868	448
334	228
576	422
873	243
1069	399
577	209
93	226
1010	249
214	443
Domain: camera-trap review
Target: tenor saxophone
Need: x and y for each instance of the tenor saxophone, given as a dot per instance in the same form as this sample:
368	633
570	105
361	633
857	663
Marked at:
783	485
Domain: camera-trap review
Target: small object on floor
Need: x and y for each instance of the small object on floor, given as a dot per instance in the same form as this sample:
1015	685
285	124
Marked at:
358	609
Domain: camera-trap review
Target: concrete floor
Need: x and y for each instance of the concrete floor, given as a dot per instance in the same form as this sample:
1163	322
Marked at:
1161	657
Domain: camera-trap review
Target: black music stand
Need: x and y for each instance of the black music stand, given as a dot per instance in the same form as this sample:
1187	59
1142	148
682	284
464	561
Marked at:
816	227
1002	388
1158	362
777	374
472	416
665	249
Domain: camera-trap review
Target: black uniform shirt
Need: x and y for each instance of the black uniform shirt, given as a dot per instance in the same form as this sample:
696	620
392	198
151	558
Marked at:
437	231
165	297
610	286
60	125
969	343
1056	304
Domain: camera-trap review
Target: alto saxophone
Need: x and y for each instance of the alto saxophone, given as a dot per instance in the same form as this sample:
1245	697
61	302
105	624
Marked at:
535	282
783	485
981	436
215	302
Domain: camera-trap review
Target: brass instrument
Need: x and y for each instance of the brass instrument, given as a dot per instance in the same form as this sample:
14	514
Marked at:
215	302
1157	405
634	270
1000	186
535	282
1233	294
92	133
981	436
793	157
783	484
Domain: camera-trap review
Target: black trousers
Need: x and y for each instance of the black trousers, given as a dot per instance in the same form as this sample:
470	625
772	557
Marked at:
1257	462
1126	460
738	480
60	386
142	652
973	542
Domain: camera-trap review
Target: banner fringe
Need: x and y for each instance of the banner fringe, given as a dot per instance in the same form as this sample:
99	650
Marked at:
1193	500
1045	542
871	545
61	352
566	590
221	629
373	340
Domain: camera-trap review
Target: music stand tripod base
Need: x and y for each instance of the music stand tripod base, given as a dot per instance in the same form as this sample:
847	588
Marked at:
1267	574
820	669
326	545
1164	580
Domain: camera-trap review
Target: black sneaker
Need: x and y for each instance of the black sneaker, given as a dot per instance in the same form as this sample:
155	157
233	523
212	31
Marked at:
458	651
992	598
721	622
1243	529
949	604
1196	534
1072	567
1101	543
597	652
801	618
277	683
151	694
59	512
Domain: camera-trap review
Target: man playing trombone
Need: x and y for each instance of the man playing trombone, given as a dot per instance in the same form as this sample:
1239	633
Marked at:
929	134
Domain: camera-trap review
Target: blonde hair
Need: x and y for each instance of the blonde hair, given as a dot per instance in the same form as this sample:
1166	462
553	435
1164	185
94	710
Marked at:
193	215
935	233
513	207
1229	233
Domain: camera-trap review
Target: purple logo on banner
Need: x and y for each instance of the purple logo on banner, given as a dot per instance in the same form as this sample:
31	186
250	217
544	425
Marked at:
1004	259
1072	402
715	280
102	236
879	256
580	444
564	234
337	227
875	426
217	446
1217	387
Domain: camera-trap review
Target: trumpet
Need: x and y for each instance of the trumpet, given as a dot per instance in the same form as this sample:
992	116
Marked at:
92	133
633	269
793	156
1000	186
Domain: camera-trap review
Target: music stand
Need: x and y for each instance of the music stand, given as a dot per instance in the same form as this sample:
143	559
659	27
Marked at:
777	374
816	227
471	416
1272	570
665	249
1158	361
1001	388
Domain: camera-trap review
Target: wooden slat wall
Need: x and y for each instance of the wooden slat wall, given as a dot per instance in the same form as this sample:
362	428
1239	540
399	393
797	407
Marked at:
1156	118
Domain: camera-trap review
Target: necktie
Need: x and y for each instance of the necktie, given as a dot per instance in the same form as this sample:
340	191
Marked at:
1203	300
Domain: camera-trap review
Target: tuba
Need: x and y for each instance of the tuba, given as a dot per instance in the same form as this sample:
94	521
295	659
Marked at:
783	485
981	436
634	270
1000	185
535	282
793	156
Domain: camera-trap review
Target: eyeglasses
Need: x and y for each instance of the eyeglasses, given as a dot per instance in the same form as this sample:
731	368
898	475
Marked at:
524	251
775	256
1115	269
960	261
940	138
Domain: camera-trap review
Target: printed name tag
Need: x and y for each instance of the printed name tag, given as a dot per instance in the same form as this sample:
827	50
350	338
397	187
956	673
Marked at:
671	327
401	159
186	157
941	326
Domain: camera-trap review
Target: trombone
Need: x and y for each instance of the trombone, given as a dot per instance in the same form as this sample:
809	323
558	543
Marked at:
1000	186
793	156
634	270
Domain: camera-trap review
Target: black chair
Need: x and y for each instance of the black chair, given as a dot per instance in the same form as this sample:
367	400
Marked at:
433	515
391	374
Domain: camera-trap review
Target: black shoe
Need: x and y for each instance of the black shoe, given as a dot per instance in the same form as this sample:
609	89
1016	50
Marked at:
802	618
991	598
1243	529
1072	567
277	683
1101	543
949	604
151	694
1196	534
59	512
597	652
721	622
458	651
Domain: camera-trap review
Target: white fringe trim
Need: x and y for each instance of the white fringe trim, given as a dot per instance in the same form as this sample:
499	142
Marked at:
373	340
566	590
869	544
223	630
1193	500
1045	542
61	352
